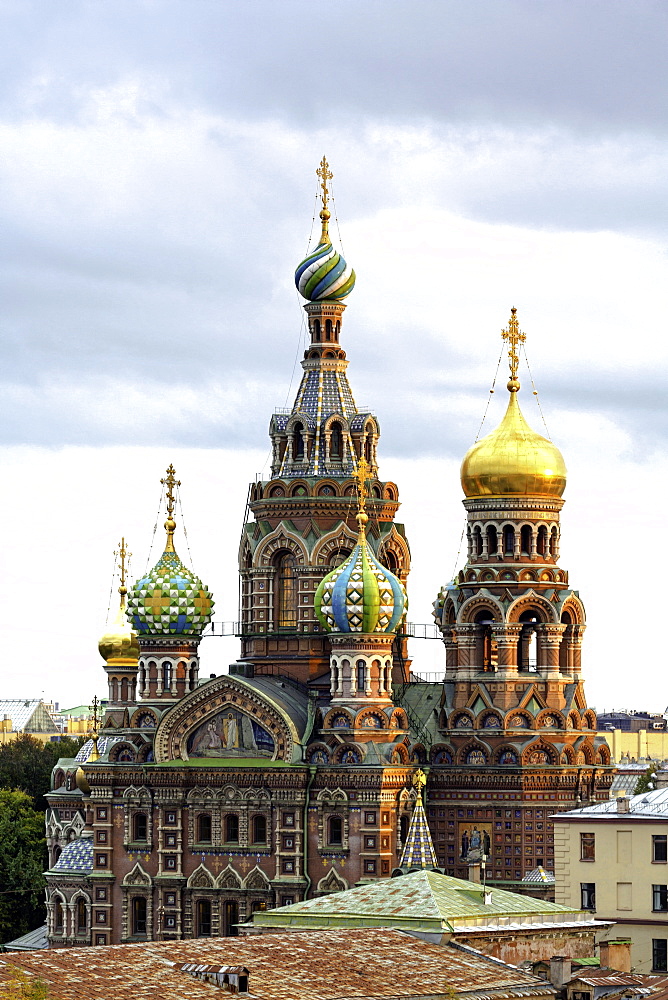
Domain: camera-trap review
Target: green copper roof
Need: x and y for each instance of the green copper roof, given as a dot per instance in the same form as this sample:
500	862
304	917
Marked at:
424	900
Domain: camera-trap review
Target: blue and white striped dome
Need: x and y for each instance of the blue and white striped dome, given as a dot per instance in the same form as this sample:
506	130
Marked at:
324	275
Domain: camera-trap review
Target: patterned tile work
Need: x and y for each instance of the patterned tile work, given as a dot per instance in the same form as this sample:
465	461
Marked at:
170	600
104	743
330	965
360	595
76	857
418	850
539	875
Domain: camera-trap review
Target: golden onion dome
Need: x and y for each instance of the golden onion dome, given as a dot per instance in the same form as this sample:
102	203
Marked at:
513	460
119	645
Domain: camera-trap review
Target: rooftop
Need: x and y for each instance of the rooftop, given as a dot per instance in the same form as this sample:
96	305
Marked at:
426	901
28	715
652	804
329	965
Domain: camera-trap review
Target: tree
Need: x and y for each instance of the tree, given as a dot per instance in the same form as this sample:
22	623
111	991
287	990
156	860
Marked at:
645	782
26	764
22	862
21	986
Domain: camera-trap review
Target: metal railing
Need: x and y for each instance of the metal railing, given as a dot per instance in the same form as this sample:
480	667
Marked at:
410	629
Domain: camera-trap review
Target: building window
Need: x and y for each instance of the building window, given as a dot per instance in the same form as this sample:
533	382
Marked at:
385	867
370	818
369	843
287	900
288	819
361	675
170	922
100	939
82	915
288	867
587	847
170	818
369	867
140	827
257	905
335	831
588	895
138	915
101	860
102	814
170	899
232	829
660	897
203	918
259	830
101	893
101	836
170	840
58	915
287	590
660	848
100	916
204	828
288	842
659	955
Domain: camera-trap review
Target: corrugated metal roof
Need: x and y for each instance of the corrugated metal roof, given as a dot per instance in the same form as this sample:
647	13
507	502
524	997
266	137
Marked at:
654	804
30	941
330	965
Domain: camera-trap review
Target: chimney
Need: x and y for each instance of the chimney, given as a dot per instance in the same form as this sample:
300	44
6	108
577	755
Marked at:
474	872
623	804
487	897
560	970
616	954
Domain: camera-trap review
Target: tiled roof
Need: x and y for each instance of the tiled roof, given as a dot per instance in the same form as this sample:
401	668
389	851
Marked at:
76	857
418	850
423	899
654	804
28	715
330	965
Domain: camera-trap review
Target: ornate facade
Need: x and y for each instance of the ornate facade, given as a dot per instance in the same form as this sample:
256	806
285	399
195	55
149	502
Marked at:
289	775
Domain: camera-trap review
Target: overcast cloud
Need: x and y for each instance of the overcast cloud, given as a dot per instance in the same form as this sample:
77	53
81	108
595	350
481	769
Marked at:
157	190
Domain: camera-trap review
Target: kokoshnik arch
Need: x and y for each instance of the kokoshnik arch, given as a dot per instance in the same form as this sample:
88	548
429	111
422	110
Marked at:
198	802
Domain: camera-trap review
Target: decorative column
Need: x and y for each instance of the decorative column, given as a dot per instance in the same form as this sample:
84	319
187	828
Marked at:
507	641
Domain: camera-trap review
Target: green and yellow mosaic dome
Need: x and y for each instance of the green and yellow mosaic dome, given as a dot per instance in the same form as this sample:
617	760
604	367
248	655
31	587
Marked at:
360	595
170	600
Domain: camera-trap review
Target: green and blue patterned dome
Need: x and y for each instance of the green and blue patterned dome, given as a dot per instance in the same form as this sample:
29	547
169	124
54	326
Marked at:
360	595
324	275
170	599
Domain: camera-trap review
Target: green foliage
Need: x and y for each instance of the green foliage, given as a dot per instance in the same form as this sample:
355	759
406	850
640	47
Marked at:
27	763
645	782
22	861
22	986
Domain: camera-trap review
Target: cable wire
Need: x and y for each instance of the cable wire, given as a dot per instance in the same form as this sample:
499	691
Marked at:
183	522
111	588
491	391
336	218
535	392
155	528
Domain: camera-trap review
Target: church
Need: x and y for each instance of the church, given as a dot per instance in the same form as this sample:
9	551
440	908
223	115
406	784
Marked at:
290	775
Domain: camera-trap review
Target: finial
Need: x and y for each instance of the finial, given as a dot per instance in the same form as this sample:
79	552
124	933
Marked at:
515	337
170	524
122	554
95	753
419	781
325	174
361	475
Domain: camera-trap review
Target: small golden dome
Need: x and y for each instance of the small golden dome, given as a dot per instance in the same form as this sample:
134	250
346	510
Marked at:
513	460
119	645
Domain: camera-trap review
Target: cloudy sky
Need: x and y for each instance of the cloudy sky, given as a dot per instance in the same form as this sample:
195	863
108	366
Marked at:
157	190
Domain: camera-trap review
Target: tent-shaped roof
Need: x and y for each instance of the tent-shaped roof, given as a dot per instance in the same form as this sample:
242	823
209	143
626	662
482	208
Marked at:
28	715
424	901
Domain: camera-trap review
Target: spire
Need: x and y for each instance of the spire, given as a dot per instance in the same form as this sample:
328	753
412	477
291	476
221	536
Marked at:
325	174
515	337
119	646
170	524
418	850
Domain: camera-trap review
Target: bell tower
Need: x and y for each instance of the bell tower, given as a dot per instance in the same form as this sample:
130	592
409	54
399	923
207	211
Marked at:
515	729
303	517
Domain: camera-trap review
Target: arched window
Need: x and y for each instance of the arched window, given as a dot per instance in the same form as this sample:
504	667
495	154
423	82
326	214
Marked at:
287	590
541	545
488	649
316	330
335	831
553	543
525	540
124	689
232	829
367	449
337	557
336	443
139	915
140	826
361	675
203	918
204	828
403	828
492	540
259	830
528	649
166	676
508	540
58	915
477	540
82	915
298	446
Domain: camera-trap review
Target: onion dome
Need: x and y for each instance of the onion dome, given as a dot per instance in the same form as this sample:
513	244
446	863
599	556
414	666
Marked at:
119	646
170	599
360	595
324	275
513	460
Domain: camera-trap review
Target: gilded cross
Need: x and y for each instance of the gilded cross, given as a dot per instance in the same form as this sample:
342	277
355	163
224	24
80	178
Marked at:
96	718
122	553
361	475
325	174
515	337
419	780
170	482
